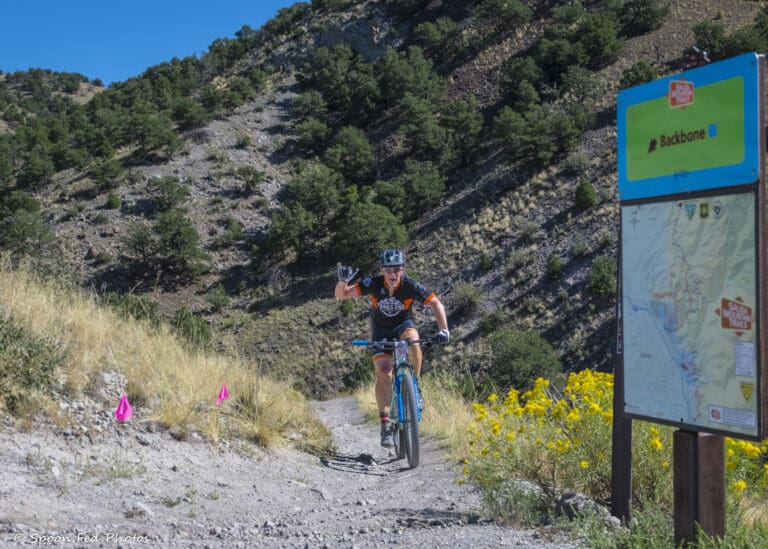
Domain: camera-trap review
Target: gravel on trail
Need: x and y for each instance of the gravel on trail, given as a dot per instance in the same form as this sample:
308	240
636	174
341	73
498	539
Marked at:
122	485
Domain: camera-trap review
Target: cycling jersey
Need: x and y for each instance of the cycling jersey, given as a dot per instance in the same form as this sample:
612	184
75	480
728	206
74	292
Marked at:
390	312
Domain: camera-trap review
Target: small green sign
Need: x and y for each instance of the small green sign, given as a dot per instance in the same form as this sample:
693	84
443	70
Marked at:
705	134
692	131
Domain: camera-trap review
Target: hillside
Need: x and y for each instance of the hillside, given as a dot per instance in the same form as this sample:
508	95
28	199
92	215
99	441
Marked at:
485	244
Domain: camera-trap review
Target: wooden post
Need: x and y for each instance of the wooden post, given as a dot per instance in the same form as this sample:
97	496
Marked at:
699	485
621	458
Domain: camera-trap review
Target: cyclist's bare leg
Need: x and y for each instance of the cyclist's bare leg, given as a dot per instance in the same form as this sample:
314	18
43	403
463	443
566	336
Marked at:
383	364
414	351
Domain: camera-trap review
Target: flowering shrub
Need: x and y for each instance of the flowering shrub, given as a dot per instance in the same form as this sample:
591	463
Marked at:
562	441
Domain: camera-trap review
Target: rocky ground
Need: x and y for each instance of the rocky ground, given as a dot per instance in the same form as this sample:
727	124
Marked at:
118	485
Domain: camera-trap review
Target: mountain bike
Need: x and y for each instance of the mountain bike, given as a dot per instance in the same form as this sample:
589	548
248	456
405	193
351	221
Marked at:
404	412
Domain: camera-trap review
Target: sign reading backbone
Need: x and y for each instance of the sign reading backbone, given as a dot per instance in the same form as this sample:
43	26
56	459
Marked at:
693	131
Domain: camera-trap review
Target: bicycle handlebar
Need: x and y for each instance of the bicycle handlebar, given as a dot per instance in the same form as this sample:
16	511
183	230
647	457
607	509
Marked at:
390	345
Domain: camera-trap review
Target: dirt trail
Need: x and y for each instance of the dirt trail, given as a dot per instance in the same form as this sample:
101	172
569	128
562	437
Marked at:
118	485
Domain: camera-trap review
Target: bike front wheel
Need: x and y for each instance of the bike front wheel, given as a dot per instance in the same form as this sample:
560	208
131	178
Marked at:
398	434
410	420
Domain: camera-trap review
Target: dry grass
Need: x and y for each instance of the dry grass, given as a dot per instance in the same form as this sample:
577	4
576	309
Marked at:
177	387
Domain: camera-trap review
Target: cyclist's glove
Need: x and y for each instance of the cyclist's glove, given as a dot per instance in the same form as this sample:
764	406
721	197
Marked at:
443	336
345	272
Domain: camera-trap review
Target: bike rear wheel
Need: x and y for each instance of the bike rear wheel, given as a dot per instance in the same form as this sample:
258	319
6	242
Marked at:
410	420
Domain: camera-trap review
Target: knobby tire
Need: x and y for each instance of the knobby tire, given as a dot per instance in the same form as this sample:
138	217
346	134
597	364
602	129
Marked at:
398	432
411	418
399	435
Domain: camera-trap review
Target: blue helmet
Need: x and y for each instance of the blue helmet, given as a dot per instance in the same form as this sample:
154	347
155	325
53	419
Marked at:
392	258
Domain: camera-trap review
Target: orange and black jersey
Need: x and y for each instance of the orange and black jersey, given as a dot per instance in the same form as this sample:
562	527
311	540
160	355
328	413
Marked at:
392	311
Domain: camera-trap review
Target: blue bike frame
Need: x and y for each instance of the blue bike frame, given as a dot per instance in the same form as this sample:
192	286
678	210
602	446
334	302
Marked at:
402	366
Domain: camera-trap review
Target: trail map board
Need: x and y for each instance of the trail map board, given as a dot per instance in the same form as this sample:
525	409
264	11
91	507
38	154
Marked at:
690	331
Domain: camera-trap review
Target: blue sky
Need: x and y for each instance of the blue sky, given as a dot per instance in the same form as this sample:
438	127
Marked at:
117	39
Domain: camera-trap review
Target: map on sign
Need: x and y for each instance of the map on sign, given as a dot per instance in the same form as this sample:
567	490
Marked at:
689	313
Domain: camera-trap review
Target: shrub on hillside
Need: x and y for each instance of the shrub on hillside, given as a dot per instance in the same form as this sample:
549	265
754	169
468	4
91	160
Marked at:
168	193
555	267
312	134
188	113
345	81
423	185
217	297
351	154
36	170
537	137
27	363
251	178
6	166
438	38
466	300
291	229
642	16
316	189
575	163
464	122
330	5
490	322
364	231
171	245
178	244
713	37
424	135
639	73
601	281
520	80
518	358
113	201
585	195
505	14
399	73
25	233
233	233
598	33
310	104
555	56
11	202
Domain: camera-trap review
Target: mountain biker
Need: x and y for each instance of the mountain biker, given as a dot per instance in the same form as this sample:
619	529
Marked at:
392	295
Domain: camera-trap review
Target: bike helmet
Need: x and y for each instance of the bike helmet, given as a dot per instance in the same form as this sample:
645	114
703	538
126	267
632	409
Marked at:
392	258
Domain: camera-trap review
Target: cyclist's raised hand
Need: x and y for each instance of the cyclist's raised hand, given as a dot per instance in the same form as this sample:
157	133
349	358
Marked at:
443	336
345	272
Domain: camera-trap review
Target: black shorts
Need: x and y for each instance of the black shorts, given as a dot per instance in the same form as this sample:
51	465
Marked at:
379	332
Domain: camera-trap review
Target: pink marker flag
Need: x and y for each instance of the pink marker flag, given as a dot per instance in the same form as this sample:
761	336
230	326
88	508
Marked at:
223	394
124	410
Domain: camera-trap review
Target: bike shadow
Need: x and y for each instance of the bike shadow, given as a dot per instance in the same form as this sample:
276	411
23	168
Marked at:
363	464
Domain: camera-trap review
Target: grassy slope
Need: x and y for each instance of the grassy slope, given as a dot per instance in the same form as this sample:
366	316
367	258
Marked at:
176	386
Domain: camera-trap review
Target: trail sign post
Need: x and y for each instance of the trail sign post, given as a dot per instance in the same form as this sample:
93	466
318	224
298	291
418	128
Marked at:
691	334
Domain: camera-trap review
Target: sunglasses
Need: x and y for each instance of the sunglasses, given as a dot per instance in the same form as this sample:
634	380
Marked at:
392	270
